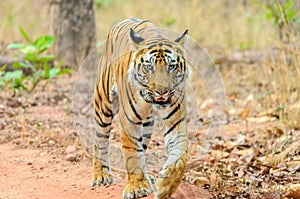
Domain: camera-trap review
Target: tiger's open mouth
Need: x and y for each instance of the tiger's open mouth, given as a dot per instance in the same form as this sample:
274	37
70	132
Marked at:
162	100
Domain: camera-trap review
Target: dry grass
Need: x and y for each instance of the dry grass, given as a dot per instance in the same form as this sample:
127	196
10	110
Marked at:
221	23
283	72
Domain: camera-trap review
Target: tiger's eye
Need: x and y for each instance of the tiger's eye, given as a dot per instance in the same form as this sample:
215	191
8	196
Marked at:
149	67
172	67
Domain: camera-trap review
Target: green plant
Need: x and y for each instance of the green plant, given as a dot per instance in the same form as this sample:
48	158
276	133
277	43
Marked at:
101	3
34	61
284	15
169	21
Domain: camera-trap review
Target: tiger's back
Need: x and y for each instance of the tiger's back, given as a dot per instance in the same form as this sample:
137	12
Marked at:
140	72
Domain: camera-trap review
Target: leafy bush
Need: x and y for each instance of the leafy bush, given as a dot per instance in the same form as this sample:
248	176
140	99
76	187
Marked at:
33	60
284	15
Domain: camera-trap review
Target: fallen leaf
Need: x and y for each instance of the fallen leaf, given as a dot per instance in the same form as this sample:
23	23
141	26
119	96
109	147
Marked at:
293	191
262	119
271	195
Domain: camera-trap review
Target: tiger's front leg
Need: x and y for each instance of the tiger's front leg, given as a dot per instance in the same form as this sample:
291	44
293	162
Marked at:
138	183
170	176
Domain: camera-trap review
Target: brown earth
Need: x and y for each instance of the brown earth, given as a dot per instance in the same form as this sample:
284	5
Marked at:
35	174
36	130
42	156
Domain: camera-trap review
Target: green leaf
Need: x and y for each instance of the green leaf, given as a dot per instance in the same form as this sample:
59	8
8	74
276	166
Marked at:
297	20
289	5
2	68
54	72
20	65
43	43
46	71
24	34
290	15
59	64
15	46
2	82
36	75
30	57
46	58
169	21
22	85
28	49
17	74
64	71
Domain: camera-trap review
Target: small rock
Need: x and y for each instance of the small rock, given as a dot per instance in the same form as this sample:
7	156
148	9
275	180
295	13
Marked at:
14	102
51	142
71	157
17	141
70	149
43	153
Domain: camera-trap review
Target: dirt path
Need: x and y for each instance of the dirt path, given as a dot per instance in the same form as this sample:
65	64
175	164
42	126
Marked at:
37	129
36	174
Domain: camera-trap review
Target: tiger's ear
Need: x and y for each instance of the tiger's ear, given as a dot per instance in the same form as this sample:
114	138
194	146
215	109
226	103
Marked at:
182	40
136	39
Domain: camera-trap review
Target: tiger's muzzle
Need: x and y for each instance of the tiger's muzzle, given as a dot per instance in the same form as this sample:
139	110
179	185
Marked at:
162	97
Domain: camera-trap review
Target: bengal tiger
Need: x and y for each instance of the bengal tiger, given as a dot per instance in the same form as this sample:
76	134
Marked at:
141	73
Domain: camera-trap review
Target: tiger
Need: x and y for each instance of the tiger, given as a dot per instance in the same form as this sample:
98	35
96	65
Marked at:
141	73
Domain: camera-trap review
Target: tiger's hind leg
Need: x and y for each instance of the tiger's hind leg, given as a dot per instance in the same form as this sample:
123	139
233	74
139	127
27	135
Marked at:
101	170
103	116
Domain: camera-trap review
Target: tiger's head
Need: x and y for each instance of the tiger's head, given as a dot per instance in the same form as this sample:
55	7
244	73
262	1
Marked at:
159	68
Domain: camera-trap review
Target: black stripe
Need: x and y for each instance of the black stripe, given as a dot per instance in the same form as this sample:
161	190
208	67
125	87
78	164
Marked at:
102	110
127	117
172	128
151	123
106	44
169	144
153	45
173	111
131	94
147	135
102	148
107	83
101	123
168	51
153	51
132	138
136	149
144	85
140	31
142	22
103	82
131	104
104	166
169	45
101	135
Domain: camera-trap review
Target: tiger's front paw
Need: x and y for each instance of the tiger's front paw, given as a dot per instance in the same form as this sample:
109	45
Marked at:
165	188
168	180
101	175
137	187
102	178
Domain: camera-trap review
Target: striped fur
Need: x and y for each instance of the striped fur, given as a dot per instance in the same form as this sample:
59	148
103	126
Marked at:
141	73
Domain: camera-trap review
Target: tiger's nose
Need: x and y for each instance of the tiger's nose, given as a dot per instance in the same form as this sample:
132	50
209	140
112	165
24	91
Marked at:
161	92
